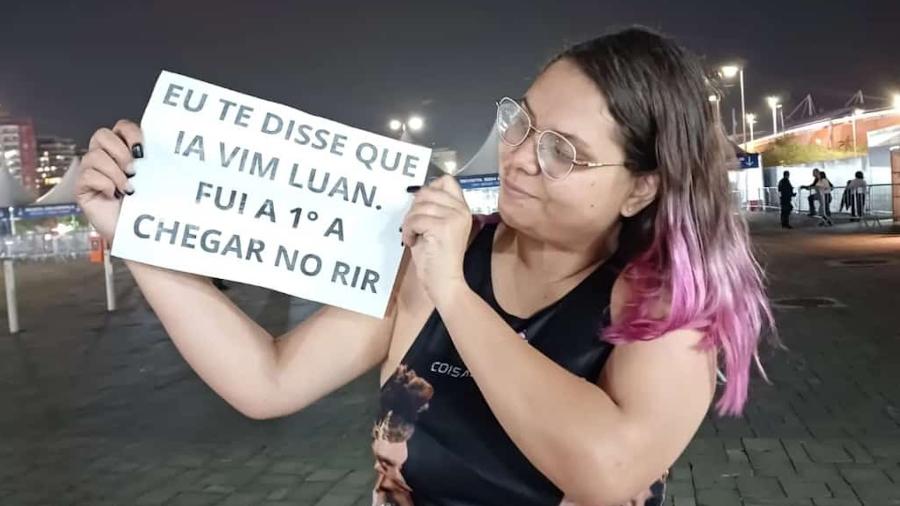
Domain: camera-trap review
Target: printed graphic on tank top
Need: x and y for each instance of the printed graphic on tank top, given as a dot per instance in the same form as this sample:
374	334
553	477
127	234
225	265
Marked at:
436	441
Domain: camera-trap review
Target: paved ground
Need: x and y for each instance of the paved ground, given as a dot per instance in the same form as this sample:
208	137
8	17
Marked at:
100	409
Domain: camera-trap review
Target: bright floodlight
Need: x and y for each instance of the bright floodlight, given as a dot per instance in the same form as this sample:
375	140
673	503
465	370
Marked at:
751	118
772	101
415	123
714	98
395	124
896	101
450	167
730	71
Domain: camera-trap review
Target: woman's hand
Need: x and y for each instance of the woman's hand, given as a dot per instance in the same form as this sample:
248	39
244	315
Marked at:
104	173
436	229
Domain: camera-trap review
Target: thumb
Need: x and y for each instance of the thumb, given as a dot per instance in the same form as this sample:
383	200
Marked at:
450	185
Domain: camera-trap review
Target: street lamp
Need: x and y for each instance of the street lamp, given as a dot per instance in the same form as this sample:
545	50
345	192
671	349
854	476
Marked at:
773	103
728	72
414	124
751	120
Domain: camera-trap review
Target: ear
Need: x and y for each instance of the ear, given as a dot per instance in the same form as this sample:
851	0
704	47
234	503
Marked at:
643	192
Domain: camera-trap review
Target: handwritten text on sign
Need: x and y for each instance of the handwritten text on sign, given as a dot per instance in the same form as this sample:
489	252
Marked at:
239	188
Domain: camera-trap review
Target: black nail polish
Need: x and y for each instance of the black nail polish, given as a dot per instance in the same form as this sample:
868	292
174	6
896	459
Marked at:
130	175
117	194
137	150
129	192
413	189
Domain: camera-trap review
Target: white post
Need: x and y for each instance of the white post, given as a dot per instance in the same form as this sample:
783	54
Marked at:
774	120
12	308
743	113
12	221
110	288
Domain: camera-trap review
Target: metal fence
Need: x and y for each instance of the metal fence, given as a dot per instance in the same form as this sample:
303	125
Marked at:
878	203
42	247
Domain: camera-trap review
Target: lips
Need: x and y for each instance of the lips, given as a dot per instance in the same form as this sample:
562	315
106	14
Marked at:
515	190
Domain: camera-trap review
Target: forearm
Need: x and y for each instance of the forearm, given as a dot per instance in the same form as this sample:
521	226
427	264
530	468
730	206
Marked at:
228	350
580	445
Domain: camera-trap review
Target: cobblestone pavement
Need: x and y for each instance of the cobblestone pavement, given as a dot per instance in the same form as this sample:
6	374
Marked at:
100	409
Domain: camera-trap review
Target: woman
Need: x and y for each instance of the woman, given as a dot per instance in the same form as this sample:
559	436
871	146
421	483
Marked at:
856	195
823	189
565	351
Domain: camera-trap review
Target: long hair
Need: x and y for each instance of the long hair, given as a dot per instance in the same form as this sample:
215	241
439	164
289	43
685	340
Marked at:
690	247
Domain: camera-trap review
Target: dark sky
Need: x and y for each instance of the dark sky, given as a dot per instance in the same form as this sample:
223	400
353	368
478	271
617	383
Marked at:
77	65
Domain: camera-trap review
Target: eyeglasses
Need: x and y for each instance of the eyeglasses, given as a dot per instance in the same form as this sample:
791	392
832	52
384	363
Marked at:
556	155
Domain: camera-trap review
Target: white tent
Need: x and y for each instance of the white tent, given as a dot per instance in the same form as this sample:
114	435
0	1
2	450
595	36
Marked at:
64	191
486	160
12	193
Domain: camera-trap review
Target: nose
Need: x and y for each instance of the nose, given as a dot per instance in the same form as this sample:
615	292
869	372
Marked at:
521	158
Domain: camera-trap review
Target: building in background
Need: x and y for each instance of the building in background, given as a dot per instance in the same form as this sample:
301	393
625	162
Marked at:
55	155
18	149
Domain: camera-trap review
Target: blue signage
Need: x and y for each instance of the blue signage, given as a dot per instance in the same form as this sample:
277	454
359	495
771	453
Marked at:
750	161
29	212
482	181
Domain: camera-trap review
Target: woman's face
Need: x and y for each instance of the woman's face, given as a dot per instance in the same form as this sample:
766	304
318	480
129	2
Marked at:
588	203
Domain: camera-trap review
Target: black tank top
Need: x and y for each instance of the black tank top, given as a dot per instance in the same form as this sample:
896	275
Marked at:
436	441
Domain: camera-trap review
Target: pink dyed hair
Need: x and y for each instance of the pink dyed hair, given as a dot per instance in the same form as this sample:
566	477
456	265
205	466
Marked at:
689	247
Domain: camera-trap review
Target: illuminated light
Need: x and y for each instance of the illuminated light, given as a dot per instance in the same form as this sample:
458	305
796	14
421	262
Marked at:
858	111
395	124
751	118
730	71
713	98
450	167
772	101
896	101
415	123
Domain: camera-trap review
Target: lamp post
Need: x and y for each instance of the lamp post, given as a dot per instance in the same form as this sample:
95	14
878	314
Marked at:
729	71
751	120
413	124
773	103
716	100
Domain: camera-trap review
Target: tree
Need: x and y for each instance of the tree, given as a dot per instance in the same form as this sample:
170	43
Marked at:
786	151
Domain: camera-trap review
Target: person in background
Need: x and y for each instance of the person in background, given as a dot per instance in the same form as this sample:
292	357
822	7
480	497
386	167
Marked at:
845	197
856	190
786	191
823	190
813	196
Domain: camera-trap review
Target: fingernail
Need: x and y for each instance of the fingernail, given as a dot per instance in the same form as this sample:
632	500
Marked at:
117	194
129	189
129	171
137	150
413	189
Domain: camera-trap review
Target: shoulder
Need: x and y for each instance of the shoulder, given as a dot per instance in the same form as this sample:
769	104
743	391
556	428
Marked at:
680	350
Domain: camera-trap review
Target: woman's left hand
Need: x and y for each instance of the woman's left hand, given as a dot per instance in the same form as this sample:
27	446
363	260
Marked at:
436	229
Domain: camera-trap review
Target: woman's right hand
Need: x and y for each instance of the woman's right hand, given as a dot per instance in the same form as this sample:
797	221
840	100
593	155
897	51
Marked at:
105	170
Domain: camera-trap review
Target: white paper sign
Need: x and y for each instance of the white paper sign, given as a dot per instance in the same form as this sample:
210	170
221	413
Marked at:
240	188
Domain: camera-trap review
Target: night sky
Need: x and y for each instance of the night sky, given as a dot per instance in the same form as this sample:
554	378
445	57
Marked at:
74	66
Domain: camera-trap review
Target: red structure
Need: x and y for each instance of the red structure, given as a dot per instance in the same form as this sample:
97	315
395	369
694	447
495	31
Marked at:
18	145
